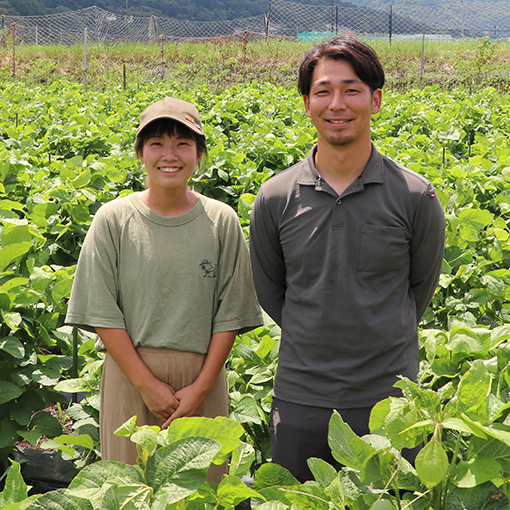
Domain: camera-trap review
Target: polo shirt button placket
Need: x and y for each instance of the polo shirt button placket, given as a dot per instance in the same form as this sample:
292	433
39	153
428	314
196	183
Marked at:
338	201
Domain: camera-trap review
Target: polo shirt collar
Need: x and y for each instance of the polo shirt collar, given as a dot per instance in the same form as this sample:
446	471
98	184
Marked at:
373	172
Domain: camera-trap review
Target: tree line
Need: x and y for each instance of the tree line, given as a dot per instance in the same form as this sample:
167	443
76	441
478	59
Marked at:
195	10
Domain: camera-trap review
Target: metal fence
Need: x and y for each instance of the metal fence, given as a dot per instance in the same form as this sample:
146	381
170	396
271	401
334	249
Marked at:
444	21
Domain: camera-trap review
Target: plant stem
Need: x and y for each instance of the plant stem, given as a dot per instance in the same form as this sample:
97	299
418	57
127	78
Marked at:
437	497
453	462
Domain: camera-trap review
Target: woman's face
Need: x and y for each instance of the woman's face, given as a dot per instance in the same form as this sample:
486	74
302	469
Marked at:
170	160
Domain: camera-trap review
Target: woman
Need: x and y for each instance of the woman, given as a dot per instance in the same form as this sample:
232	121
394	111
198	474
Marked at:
164	279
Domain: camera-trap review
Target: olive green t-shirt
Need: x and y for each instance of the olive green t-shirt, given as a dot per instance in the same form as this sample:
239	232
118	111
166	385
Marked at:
169	281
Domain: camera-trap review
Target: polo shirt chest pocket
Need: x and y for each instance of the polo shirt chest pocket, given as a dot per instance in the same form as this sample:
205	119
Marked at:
383	248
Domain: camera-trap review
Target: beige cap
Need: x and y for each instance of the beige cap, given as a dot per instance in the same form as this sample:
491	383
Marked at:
172	108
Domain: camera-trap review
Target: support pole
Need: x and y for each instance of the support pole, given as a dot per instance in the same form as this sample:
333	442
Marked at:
332	16
422	59
390	24
267	20
162	57
85	41
13	49
74	373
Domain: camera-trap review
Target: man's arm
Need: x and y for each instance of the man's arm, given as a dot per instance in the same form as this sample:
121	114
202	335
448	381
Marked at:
427	250
267	260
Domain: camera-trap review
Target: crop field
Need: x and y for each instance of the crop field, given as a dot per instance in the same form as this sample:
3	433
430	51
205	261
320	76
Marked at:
64	151
220	63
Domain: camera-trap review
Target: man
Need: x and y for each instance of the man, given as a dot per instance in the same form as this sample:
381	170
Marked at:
346	250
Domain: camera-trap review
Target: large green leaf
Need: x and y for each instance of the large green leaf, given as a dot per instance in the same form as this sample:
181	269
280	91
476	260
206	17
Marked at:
323	473
347	448
477	218
8	433
12	346
327	479
8	392
273	475
29	402
59	500
378	469
11	252
15	488
83	440
432	463
12	319
72	385
246	410
225	431
465	340
491	448
241	460
245	205
395	418
483	497
62	290
147	438
177	470
14	234
473	392
127	497
46	375
46	423
476	472
307	497
94	480
232	491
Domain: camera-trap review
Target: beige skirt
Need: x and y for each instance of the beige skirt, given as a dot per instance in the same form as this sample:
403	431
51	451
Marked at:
120	400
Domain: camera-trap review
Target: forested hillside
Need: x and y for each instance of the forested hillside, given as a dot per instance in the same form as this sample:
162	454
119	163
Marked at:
384	4
199	10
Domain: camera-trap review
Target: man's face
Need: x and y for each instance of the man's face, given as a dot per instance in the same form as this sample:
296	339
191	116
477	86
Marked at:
340	105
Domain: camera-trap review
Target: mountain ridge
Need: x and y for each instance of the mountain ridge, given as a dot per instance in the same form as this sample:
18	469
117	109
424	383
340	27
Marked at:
193	10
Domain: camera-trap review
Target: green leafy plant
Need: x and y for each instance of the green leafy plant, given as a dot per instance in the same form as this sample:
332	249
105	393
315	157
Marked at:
172	469
82	446
65	152
250	376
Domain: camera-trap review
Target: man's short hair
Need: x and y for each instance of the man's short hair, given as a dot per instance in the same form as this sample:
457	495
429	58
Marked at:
363	59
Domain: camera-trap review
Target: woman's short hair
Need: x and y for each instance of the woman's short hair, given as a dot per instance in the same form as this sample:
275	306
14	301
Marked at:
170	127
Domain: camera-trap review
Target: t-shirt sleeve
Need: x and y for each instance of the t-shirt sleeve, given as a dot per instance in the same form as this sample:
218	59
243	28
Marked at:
94	300
238	307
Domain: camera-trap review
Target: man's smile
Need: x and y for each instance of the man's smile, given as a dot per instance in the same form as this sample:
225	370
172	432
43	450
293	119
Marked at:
338	122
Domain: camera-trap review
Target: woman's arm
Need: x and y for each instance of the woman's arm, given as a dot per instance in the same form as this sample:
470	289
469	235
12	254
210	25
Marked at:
191	397
158	396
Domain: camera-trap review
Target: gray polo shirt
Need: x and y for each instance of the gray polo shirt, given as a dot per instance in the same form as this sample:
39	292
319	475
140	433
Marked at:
347	278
